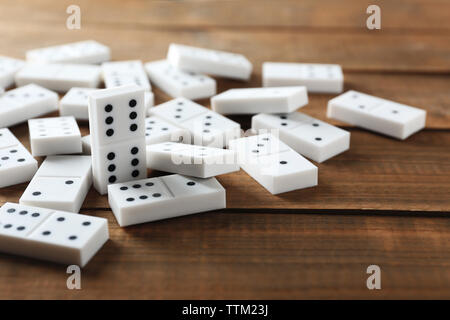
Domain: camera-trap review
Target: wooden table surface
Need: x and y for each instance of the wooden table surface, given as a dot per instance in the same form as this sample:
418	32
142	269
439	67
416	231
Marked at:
383	202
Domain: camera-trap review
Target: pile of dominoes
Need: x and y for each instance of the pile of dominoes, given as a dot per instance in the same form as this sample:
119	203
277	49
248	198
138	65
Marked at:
129	135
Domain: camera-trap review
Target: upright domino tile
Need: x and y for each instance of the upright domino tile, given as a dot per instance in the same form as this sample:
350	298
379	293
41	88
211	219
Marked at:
51	235
164	197
312	138
59	77
52	136
259	100
117	127
89	52
61	183
8	69
383	116
273	164
119	73
75	102
324	78
178	83
213	62
206	127
191	160
21	104
16	163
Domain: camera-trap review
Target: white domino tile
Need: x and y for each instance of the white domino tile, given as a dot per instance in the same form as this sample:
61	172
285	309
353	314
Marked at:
312	138
59	77
212	62
273	164
117	127
380	115
47	234
164	197
86	144
119	73
16	163
206	127
61	183
260	100
178	83
191	160
52	136
21	104
8	69
158	130
321	78
75	103
89	52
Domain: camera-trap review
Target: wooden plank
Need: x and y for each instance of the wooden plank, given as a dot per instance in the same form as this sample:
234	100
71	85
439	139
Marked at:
365	51
432	15
251	256
377	173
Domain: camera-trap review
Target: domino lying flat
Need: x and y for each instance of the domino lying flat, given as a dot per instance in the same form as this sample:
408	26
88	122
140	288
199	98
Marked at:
213	62
46	234
195	161
119	73
8	69
314	139
59	77
164	197
51	136
78	52
177	83
206	127
117	126
273	164
376	114
257	100
61	183
21	104
75	102
16	163
325	78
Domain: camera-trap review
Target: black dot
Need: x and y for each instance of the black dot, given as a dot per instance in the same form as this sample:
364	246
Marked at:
284	124
123	188
132	103
361	107
130	199
5	158
136	186
36	193
156	195
265	139
21	160
73	238
135	173
111	156
143	197
394	111
177	116
69	182
46	233
134	162
23	212
133	127
7	226
206	131
108	108
134	150
255	151
208	117
318	139
164	129
207	123
260	145
111	167
11	210
13	151
109	120
149	184
61	219
86	223
109	132
112	179
21	228
283	162
35	215
315	124
191	183
133	115
283	117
